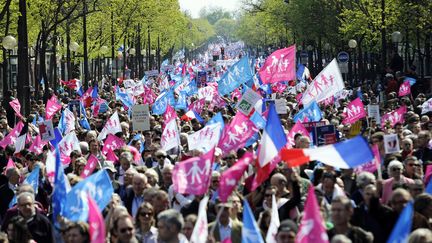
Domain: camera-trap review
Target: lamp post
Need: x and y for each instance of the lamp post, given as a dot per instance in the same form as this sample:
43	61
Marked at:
152	56
327	48
9	42
132	53
104	50
144	58
396	39
352	44
73	47
310	48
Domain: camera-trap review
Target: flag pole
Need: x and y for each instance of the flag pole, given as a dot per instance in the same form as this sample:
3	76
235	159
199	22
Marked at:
216	221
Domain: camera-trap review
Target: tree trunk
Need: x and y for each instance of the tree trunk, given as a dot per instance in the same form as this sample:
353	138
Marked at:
5	57
23	72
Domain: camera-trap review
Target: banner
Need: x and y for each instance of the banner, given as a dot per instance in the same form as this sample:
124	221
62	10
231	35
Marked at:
405	89
354	111
279	66
326	84
237	74
396	116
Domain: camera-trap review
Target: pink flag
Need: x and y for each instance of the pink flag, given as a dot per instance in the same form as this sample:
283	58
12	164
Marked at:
37	145
236	94
428	174
197	106
112	156
192	176
16	106
136	154
230	178
279	87
169	115
52	107
12	135
96	222
92	162
217	101
297	128
396	116
237	133
97	105
405	89
328	102
311	228
68	143
112	142
279	66
354	111
373	165
86	98
10	164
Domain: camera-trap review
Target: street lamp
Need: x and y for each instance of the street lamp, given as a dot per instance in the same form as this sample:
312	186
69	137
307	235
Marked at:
396	39
327	48
9	42
352	44
132	52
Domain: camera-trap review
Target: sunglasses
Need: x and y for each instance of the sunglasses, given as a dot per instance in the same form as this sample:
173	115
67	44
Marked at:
144	214
416	165
268	195
396	169
124	230
160	157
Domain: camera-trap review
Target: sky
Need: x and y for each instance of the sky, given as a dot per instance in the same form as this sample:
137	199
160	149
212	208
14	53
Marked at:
194	6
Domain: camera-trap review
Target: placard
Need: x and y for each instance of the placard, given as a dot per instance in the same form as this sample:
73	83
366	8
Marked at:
151	73
140	118
324	135
46	130
248	101
74	106
281	106
391	143
374	112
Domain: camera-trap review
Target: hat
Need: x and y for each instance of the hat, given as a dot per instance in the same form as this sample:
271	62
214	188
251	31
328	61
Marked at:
109	165
287	226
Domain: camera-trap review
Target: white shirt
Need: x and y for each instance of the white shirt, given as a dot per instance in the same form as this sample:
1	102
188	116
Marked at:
225	231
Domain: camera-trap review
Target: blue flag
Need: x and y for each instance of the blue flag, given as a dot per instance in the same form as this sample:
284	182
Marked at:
429	187
312	112
237	74
59	193
140	138
83	121
191	88
402	229
124	98
258	120
181	101
33	179
58	137
80	91
217	119
412	81
250	232
100	189
95	92
160	105
62	123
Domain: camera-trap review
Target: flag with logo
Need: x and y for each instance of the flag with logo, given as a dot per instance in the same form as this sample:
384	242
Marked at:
170	136
92	162
237	133
402	229
354	111
230	178
236	75
405	89
312	227
112	126
60	187
112	142
396	116
68	144
250	232
12	136
298	128
98	186
96	222
427	106
326	84
200	231
279	66
193	176
310	113
208	137
67	121
52	107
33	179
16	106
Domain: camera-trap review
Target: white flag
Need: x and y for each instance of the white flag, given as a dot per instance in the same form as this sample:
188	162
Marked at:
20	143
427	106
170	136
68	144
274	223
69	121
111	127
206	138
200	231
326	84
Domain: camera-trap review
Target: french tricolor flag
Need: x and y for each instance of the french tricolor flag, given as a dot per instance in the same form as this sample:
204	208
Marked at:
273	138
344	155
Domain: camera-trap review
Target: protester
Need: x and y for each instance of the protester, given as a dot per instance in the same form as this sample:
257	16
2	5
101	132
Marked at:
235	158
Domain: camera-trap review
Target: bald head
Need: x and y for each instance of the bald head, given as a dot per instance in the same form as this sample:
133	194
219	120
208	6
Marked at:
139	184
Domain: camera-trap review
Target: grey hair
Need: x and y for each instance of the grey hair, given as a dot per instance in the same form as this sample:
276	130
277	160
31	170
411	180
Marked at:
365	178
420	235
172	217
127	156
393	164
340	239
25	194
9	171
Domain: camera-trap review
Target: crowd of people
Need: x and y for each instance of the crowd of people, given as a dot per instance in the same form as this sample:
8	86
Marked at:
356	206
